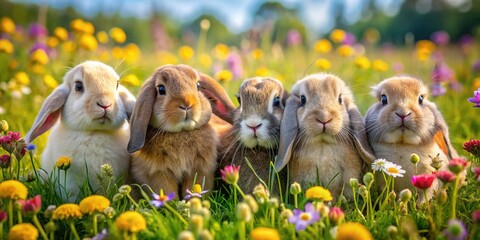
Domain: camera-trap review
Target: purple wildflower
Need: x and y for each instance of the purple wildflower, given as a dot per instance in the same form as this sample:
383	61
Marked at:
195	192
303	219
455	230
466	40
235	65
437	89
294	38
101	235
442	73
37	31
440	37
31	147
476	98
350	39
36	46
161	199
476	66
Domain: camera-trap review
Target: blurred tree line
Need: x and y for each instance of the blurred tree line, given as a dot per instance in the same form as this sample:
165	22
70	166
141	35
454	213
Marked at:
270	18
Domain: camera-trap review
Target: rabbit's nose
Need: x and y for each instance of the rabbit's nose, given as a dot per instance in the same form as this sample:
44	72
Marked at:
324	122
185	107
403	116
254	126
104	106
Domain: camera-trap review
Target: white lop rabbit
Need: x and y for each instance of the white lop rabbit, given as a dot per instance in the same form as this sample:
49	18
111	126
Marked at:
88	113
322	135
404	121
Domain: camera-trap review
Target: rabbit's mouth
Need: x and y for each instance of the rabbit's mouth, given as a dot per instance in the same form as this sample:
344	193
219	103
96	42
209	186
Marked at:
103	119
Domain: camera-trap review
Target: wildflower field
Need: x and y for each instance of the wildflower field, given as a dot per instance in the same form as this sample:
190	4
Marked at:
33	61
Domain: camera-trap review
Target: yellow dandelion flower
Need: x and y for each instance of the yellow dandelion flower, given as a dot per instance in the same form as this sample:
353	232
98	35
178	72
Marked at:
318	193
224	75
362	62
102	37
131	221
69	46
63	162
205	60
323	64
49	81
104	55
345	51
88	28
118	35
165	57
21	78
338	35
353	231
264	233
13	189
77	25
426	44
39	56
60	33
130	80
7	25
372	35
6	46
88	42
380	65
185	53
94	203
262	72
221	51
323	46
132	52
67	211
23	231
52	42
36	68
423	54
257	53
118	53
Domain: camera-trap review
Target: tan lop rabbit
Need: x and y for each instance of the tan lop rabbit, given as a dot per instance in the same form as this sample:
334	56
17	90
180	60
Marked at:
322	135
255	132
88	113
171	139
404	121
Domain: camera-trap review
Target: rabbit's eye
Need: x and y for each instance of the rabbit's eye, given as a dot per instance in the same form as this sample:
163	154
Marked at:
303	100
276	102
340	99
78	86
238	99
198	86
384	100
161	89
420	99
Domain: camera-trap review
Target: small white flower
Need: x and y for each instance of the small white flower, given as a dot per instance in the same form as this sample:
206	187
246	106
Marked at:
379	164
393	170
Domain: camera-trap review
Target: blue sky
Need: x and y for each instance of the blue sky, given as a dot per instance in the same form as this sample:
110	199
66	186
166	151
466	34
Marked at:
318	15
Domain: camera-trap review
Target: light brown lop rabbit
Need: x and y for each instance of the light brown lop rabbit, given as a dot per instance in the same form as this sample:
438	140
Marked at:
404	121
322	135
171	139
255	132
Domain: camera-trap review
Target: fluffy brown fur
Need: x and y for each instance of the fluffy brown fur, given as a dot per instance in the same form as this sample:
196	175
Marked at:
395	139
171	133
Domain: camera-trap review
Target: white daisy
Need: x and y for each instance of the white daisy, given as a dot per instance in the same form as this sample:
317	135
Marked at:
379	164
393	170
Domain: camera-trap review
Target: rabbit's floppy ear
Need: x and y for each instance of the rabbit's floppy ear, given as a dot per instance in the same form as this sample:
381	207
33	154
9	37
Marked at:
359	132
442	137
128	100
49	113
288	132
142	112
222	106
